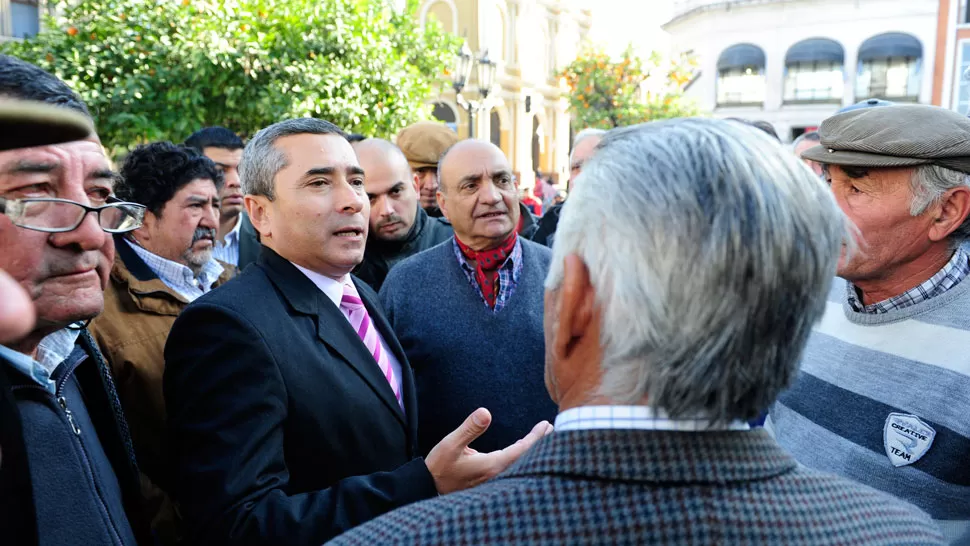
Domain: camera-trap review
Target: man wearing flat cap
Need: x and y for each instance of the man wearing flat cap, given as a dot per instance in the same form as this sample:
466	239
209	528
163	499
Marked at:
884	392
67	471
422	144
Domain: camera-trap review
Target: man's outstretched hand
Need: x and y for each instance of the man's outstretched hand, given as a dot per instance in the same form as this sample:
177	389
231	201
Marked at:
455	466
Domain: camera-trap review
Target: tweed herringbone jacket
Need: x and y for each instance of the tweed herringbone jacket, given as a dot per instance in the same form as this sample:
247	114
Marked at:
653	487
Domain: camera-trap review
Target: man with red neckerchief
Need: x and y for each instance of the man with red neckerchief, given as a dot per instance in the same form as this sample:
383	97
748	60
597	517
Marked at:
468	312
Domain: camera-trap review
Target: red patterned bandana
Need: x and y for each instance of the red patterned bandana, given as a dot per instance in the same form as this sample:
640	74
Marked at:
487	264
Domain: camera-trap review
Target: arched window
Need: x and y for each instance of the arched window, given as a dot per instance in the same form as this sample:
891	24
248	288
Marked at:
741	76
890	67
813	71
442	12
495	34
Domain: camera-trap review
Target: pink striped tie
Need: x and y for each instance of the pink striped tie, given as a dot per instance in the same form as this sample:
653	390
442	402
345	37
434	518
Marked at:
354	308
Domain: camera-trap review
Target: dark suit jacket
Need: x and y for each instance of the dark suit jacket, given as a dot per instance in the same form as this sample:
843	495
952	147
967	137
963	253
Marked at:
283	430
652	487
249	244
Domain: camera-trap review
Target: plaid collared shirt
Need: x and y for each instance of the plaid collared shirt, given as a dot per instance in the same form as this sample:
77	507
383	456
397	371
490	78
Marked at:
957	269
634	417
508	274
178	277
53	349
228	251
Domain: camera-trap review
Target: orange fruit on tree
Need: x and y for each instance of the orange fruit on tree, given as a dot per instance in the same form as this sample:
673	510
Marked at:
72	31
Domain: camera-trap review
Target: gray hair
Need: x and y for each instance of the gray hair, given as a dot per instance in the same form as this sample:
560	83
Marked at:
722	247
261	160
929	183
811	136
583	135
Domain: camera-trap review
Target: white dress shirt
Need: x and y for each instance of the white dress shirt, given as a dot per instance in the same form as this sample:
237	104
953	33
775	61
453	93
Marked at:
228	252
634	417
334	291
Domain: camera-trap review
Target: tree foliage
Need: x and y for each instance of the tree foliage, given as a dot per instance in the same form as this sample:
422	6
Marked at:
606	93
161	70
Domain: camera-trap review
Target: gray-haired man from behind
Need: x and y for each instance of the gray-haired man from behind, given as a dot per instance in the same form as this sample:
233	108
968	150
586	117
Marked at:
884	392
658	349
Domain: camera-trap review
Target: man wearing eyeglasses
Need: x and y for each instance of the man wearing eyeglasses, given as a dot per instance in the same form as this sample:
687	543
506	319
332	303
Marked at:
158	270
68	474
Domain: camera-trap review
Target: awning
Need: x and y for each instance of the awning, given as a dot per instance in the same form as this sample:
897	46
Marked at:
815	50
740	56
891	44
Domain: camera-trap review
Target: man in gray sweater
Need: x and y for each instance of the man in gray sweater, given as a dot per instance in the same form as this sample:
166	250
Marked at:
884	392
469	314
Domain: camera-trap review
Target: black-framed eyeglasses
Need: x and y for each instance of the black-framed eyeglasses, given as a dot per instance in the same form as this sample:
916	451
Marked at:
52	215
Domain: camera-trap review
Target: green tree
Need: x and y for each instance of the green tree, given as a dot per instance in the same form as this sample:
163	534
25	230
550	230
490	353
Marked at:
160	70
606	92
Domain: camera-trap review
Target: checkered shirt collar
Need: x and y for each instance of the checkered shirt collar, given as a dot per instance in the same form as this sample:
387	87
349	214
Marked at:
177	276
634	418
508	273
957	269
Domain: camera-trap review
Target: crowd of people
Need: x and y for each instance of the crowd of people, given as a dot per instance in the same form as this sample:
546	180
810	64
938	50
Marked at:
315	337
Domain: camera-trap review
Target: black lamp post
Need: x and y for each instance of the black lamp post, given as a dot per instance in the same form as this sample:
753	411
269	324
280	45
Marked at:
486	78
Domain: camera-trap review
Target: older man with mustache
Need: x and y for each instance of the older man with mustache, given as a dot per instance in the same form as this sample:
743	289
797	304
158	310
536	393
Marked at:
158	270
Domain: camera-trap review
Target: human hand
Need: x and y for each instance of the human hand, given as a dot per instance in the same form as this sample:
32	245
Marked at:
16	310
455	466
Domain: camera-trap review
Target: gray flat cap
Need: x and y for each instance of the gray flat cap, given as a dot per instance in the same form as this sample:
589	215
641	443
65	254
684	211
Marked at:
901	136
25	124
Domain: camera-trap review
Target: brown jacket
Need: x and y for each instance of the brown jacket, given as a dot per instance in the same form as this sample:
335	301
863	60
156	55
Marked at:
139	310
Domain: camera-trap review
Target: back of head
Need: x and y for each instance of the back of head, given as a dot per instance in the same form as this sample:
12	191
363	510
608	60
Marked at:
723	248
22	80
153	173
261	160
214	137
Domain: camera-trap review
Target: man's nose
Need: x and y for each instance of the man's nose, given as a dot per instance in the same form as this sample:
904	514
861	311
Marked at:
87	236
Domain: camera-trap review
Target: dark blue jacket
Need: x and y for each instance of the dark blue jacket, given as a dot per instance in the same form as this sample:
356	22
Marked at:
68	473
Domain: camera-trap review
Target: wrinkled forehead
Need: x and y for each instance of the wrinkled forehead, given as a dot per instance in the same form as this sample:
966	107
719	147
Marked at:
71	162
485	162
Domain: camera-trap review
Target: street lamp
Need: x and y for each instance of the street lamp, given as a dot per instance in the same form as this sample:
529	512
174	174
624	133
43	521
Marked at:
486	78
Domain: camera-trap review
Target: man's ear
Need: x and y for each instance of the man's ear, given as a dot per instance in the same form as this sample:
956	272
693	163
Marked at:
576	307
148	226
258	210
416	180
442	204
953	210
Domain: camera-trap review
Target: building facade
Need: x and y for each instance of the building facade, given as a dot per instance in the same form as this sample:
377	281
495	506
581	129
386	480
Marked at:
526	111
951	74
19	18
793	63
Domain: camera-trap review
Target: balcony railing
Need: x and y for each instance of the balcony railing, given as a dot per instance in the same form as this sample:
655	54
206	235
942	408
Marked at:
684	8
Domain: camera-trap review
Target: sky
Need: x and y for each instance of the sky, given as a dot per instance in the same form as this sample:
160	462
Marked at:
617	23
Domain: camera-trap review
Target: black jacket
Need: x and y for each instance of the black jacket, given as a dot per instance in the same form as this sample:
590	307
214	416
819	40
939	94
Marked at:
248	243
529	223
283	430
18	510
547	226
380	256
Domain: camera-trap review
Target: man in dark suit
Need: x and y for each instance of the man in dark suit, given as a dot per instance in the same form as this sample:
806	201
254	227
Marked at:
660	347
291	404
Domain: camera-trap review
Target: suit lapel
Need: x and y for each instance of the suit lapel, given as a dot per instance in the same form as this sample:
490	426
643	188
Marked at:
332	326
408	394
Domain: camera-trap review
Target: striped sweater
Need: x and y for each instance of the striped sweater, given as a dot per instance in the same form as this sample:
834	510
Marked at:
885	400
